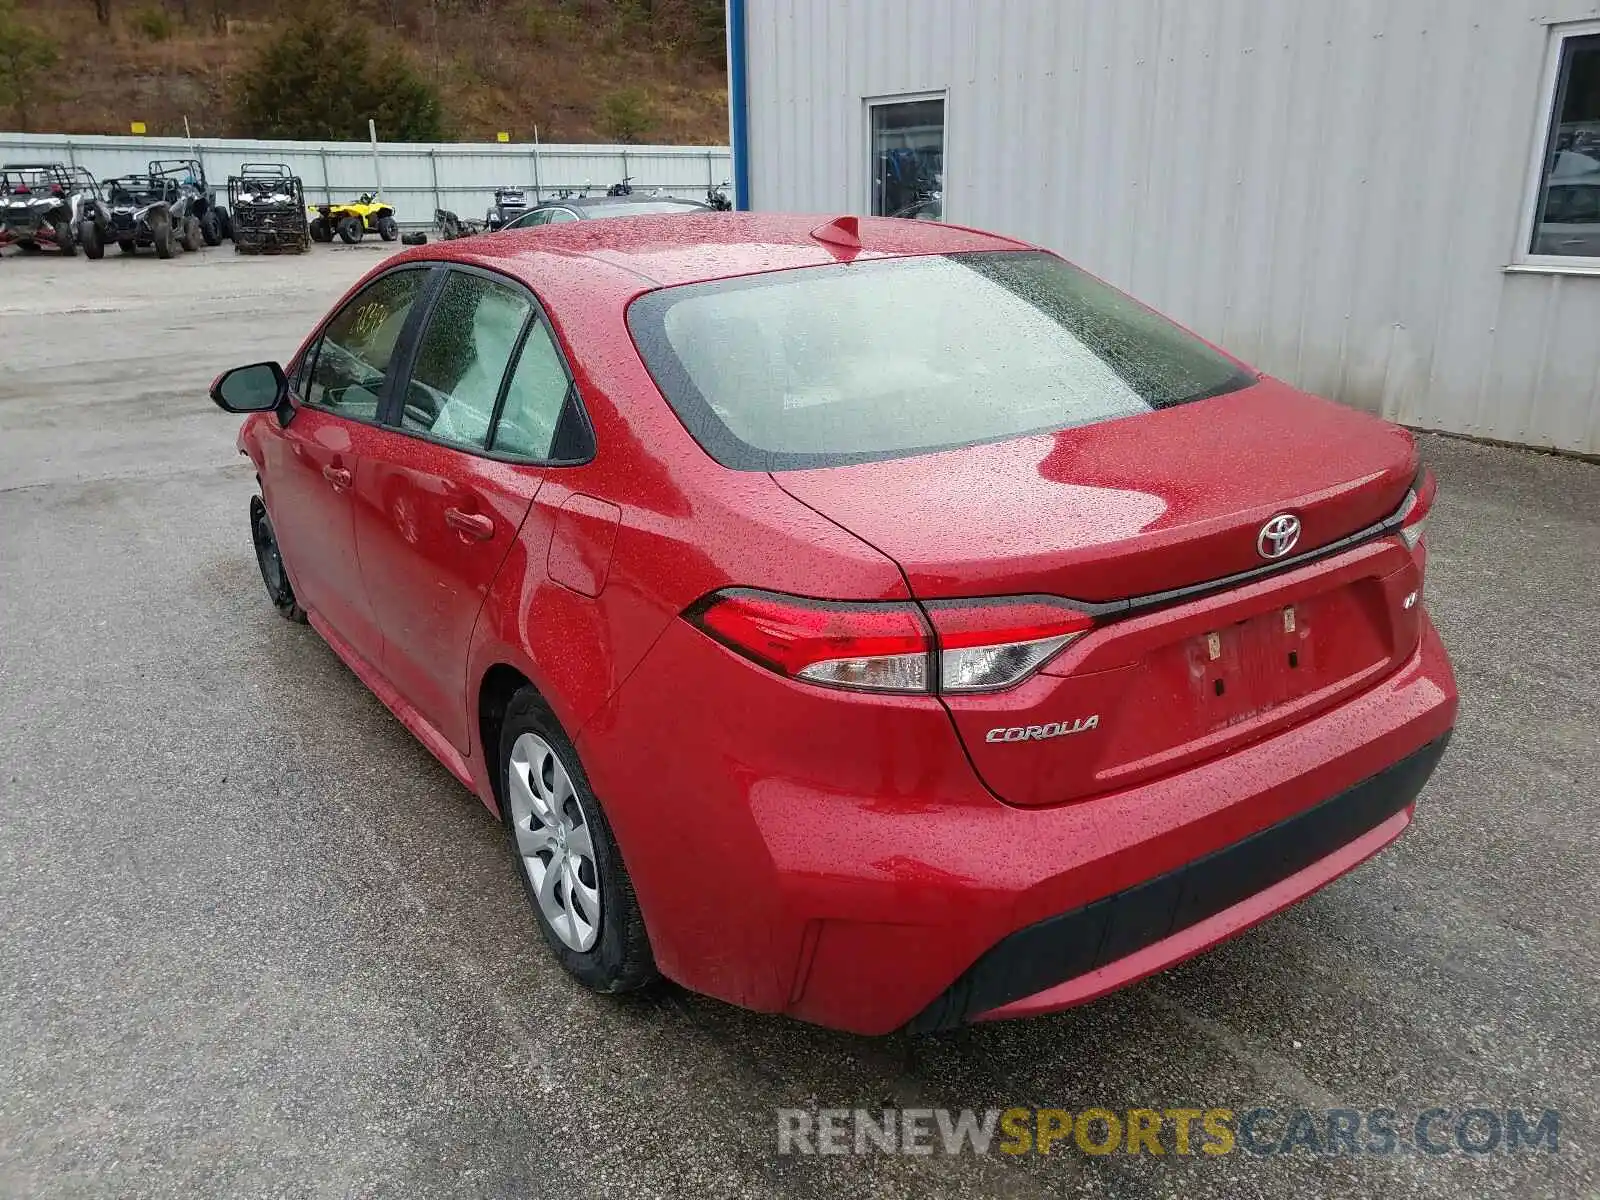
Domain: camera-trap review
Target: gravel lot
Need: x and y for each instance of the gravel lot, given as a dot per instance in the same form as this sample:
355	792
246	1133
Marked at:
256	942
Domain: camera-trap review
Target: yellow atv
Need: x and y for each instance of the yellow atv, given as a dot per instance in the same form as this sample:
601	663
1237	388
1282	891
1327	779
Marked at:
351	221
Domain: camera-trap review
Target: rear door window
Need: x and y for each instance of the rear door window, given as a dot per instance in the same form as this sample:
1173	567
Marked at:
462	358
535	399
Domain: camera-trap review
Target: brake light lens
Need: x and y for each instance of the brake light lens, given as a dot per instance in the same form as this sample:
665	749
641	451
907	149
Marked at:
987	645
887	646
879	647
1415	509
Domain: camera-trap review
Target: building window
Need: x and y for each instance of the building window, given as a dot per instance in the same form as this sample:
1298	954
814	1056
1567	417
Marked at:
907	157
1566	210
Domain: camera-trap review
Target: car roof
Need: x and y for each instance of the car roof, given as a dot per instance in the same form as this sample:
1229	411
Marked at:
618	258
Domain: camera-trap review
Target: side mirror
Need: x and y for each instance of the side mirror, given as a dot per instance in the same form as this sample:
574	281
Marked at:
260	387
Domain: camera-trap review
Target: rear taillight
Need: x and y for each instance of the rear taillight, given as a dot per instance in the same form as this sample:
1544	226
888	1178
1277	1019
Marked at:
887	646
986	645
880	647
1415	509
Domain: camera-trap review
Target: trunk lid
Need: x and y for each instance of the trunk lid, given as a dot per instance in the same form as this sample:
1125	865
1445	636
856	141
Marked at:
1140	506
1123	508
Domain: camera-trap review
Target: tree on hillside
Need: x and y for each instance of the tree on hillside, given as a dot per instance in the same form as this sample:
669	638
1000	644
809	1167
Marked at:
25	53
320	81
626	114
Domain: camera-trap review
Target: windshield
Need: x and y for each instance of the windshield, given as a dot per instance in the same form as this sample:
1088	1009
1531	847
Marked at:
870	360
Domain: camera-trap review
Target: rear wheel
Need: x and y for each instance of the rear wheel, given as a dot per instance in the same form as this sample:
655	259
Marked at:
191	239
350	230
320	230
567	858
64	240
211	228
270	559
89	239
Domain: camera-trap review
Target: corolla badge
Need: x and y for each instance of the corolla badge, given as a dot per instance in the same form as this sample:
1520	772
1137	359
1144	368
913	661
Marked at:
1278	536
1038	733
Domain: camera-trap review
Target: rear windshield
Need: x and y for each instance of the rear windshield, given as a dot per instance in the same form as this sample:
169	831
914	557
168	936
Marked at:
881	359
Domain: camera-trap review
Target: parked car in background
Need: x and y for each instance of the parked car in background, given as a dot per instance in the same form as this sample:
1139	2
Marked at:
876	621
41	205
589	208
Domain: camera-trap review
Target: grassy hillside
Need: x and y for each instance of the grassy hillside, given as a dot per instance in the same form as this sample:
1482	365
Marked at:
581	70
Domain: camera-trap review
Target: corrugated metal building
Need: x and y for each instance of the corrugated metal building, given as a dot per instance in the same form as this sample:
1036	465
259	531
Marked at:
1392	202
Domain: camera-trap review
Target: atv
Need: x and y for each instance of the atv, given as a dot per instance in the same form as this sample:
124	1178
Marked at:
509	204
269	210
351	221
41	204
195	199
141	214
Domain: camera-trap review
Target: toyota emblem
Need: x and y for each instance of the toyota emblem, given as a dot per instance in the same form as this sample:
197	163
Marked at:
1278	536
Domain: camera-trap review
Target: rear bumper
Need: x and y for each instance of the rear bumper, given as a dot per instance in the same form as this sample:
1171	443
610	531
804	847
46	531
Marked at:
834	857
1076	956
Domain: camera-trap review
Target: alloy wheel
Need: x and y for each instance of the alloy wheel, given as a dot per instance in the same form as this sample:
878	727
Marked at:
553	842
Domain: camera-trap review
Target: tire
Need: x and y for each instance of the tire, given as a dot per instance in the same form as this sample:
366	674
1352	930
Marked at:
89	239
388	228
609	951
320	230
28	246
211	228
270	559
161	235
66	244
415	238
127	245
191	239
350	230
224	223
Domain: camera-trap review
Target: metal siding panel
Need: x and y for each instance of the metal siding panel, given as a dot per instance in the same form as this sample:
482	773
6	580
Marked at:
1288	178
1270	72
1571	367
1223	238
467	173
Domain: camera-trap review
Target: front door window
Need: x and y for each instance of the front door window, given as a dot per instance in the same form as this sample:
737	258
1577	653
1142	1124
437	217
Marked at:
357	346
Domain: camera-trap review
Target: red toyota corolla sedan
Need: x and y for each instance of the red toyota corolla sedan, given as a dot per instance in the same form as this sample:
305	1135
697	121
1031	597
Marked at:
884	623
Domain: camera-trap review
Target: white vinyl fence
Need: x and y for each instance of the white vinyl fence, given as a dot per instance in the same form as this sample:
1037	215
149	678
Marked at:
415	177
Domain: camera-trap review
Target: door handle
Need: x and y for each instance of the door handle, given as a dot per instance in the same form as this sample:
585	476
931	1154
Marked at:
338	476
478	525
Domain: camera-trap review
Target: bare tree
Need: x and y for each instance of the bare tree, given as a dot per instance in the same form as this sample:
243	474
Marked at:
102	11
